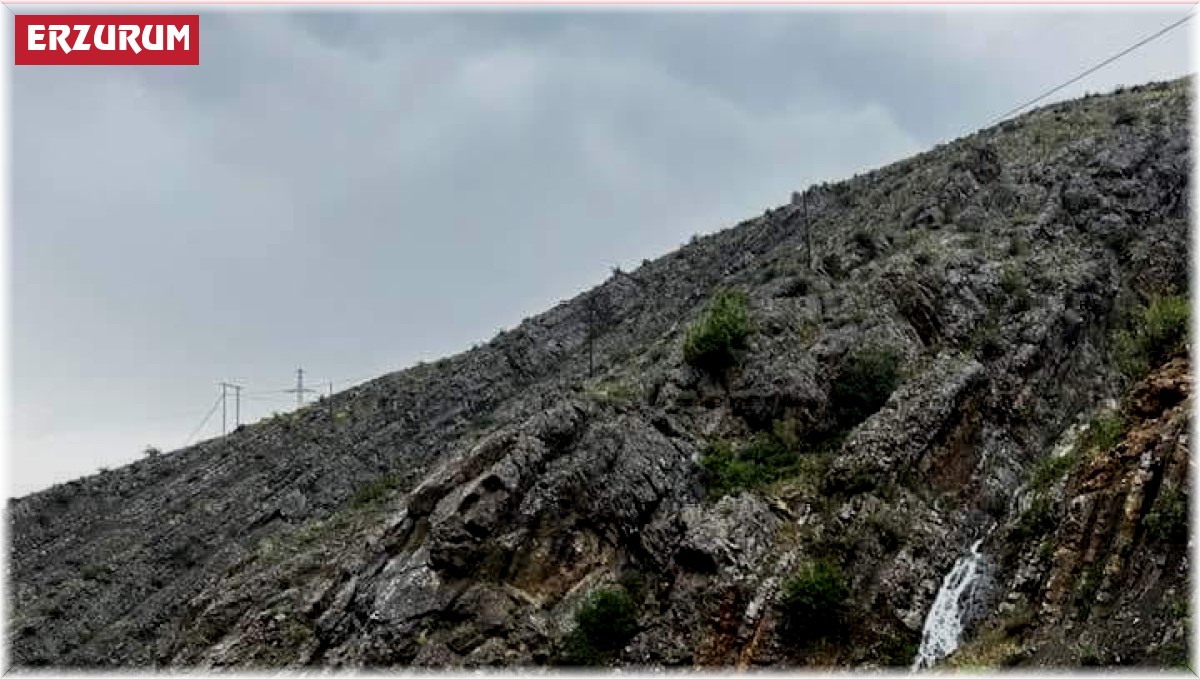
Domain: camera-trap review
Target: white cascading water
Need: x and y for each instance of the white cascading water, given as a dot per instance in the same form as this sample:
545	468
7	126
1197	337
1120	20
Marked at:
944	624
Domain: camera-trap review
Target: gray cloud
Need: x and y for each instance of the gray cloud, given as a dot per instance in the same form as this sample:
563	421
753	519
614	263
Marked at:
351	193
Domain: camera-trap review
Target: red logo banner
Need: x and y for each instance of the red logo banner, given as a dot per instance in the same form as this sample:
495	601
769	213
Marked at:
107	40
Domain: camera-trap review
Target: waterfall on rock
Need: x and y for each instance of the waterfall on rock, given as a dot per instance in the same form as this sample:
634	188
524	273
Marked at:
944	624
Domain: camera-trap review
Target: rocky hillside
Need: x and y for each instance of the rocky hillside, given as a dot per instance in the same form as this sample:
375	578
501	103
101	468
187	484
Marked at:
933	414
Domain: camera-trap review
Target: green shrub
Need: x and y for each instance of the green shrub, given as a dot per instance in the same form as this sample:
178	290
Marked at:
786	451
812	599
724	472
1046	550
863	384
1050	470
1175	655
1179	608
605	622
1168	521
787	433
769	452
1089	655
759	461
1165	323
716	342
896	649
1035	522
1157	331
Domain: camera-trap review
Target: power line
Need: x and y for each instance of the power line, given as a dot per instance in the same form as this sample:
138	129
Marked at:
204	421
264	397
1097	67
276	392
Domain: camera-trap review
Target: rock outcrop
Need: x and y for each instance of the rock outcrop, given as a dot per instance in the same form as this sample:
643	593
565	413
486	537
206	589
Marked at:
464	513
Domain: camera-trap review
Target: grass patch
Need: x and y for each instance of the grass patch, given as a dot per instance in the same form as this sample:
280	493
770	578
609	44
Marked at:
759	461
1104	433
765	458
615	392
375	490
1155	333
1050	470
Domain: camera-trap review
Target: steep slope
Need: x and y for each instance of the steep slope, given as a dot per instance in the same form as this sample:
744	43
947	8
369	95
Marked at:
1105	582
477	510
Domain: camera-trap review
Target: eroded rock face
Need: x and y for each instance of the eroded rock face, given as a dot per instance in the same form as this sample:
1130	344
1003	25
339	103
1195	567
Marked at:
730	536
460	514
1106	584
920	414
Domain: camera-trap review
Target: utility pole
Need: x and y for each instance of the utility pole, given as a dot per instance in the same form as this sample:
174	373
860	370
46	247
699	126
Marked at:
591	339
800	200
598	312
237	405
807	231
299	390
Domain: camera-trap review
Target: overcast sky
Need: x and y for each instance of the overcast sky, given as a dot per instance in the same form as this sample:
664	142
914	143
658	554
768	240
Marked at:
351	193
